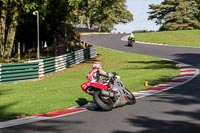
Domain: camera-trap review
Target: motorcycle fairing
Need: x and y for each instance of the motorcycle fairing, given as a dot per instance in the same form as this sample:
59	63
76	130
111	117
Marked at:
85	85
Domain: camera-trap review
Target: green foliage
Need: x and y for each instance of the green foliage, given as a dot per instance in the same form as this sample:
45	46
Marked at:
30	7
16	16
176	14
101	15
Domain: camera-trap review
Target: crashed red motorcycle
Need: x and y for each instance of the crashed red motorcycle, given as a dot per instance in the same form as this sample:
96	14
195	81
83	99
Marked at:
109	93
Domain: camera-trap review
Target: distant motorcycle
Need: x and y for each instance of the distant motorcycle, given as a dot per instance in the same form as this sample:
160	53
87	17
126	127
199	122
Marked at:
109	93
131	41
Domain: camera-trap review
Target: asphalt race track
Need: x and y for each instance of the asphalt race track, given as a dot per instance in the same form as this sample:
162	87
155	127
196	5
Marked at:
173	111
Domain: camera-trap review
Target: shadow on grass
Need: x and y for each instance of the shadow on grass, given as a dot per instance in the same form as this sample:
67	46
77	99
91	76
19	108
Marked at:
153	64
82	101
160	80
6	114
90	61
3	91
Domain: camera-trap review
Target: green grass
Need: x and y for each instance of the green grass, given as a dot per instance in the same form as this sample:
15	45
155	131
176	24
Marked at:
62	90
176	38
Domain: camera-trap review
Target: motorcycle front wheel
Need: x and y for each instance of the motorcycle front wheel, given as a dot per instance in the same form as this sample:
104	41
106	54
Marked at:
131	98
105	103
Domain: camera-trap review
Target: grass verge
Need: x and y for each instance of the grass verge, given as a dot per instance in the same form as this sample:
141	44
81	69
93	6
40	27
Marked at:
176	38
62	90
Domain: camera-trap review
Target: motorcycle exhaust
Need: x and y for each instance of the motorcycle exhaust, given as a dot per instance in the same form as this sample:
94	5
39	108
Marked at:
107	93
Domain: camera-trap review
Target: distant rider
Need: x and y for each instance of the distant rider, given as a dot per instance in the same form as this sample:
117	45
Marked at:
131	36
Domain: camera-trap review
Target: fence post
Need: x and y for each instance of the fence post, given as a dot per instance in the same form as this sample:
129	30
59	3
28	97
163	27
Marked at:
41	68
79	56
60	63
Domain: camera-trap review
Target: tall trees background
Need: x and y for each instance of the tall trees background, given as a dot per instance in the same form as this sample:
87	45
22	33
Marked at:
176	14
57	21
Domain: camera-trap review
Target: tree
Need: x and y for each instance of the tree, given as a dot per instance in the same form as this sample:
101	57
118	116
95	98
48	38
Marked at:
9	16
101	14
52	14
176	14
111	13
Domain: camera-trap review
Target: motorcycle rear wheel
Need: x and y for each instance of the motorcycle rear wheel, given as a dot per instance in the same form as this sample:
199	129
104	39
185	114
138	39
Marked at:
104	104
130	44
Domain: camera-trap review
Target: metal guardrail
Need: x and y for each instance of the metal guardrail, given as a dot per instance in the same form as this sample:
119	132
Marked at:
39	68
20	71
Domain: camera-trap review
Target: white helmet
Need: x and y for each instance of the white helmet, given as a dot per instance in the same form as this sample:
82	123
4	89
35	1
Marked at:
96	65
